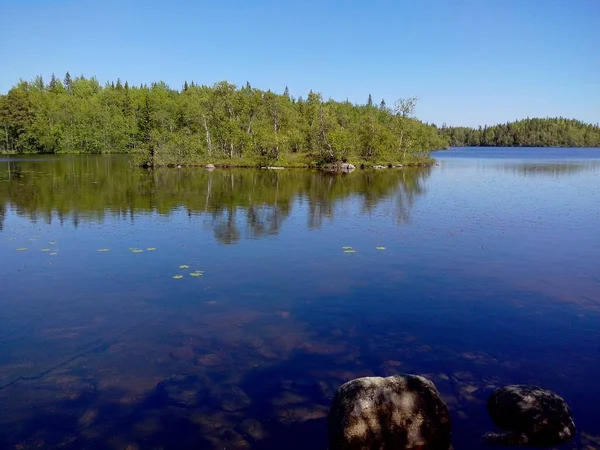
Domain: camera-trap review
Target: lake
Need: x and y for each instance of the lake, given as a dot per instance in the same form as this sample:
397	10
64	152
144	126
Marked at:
269	289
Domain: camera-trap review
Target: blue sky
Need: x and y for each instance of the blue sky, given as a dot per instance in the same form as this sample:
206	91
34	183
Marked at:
470	62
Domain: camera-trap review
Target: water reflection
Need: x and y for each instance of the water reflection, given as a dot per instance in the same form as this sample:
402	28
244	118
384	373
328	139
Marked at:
88	189
284	317
549	169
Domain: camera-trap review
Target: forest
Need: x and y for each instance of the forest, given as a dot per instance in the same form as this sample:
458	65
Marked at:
550	132
220	124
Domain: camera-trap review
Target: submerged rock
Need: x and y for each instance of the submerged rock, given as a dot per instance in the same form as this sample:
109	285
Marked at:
397	412
530	416
184	390
231	398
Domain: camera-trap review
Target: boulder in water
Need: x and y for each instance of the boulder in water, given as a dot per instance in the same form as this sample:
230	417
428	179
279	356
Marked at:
529	416
397	412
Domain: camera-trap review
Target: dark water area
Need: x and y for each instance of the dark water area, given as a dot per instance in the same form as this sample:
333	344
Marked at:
479	272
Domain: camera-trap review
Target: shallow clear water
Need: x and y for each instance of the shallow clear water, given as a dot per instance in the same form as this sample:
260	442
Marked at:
486	274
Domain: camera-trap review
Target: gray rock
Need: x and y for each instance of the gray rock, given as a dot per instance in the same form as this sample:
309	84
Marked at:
530	416
339	167
379	167
209	167
398	412
183	390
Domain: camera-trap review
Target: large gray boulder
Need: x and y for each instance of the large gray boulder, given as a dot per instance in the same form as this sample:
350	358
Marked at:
530	416
398	412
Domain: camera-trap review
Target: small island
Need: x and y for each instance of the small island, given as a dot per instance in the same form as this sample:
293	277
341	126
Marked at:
223	125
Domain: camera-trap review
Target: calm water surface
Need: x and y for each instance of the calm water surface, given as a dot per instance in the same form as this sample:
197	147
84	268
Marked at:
479	272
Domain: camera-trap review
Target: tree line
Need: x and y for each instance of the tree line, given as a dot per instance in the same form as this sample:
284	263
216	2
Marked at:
201	124
550	132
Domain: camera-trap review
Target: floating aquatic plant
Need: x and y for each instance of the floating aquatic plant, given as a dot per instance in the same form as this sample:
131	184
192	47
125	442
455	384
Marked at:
380	248
349	251
151	249
196	274
53	254
347	247
22	249
177	277
45	249
184	266
137	250
103	250
52	242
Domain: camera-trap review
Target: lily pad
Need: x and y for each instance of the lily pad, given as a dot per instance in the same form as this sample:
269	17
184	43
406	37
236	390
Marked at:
53	254
184	266
349	251
52	242
22	249
45	249
151	249
380	248
196	274
177	277
346	247
103	250
137	250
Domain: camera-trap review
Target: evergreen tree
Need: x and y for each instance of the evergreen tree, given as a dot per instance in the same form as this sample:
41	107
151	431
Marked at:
370	101
68	82
53	83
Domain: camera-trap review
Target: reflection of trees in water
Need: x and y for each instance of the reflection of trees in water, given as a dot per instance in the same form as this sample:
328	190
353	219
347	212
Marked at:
84	189
555	169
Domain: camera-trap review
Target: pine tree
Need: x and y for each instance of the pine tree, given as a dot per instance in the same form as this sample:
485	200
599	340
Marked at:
68	82
382	105
185	86
53	83
119	85
286	92
370	101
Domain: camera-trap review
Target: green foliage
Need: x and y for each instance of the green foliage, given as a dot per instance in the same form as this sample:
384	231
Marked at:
201	124
551	132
